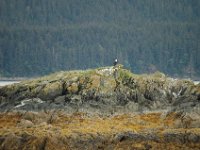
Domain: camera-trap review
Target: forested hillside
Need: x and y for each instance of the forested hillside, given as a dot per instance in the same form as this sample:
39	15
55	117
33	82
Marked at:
42	36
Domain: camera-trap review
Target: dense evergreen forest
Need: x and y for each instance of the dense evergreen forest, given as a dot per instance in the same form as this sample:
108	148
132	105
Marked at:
42	36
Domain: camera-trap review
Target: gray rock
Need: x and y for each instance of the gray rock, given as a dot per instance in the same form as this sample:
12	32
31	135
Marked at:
194	138
175	137
76	99
50	91
129	136
60	99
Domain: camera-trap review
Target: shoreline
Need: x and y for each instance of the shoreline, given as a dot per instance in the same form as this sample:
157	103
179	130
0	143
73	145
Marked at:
13	79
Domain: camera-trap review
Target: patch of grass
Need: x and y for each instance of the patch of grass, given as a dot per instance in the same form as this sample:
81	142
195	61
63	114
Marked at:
81	126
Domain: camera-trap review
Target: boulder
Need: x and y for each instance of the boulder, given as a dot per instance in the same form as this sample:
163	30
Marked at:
25	123
59	100
73	88
51	90
129	136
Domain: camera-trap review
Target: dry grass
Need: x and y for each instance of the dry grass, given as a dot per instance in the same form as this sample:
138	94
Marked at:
67	124
51	127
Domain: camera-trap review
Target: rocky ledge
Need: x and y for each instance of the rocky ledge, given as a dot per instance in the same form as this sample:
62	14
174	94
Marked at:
104	90
104	108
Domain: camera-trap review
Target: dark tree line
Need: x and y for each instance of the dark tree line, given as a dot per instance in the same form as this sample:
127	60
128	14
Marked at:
42	36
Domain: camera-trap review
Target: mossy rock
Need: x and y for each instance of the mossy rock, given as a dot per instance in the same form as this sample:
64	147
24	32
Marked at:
149	91
50	91
73	88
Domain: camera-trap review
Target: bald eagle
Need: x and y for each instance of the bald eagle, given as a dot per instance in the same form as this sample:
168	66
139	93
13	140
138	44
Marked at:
115	62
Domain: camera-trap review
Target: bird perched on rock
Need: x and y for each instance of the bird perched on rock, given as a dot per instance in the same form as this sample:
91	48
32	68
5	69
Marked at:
115	62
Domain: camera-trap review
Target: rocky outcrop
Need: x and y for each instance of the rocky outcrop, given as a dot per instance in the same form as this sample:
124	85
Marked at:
105	90
104	108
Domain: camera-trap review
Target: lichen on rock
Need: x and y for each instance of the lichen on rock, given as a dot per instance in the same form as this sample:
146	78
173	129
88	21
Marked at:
102	87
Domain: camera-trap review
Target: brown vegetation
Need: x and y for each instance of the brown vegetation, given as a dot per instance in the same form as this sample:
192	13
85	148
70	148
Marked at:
58	130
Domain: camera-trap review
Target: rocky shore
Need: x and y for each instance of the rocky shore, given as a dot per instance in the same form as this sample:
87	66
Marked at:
103	108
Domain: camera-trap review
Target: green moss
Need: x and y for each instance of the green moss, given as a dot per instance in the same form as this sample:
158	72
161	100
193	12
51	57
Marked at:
158	74
125	74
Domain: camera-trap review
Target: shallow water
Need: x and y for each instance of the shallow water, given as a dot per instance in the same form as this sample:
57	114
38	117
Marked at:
3	83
